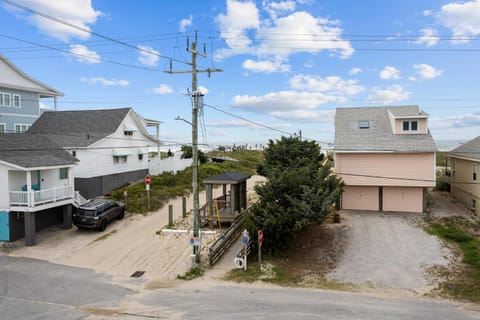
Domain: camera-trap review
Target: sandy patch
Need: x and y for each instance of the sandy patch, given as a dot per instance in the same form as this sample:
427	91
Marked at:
132	244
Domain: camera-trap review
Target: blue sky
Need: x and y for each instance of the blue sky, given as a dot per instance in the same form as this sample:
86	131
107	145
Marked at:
286	64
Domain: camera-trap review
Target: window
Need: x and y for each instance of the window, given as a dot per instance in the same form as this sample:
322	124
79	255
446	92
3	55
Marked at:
19	128
74	153
140	156
119	159
474	171
453	168
16	101
3	128
63	173
410	125
5	99
363	124
128	132
414	125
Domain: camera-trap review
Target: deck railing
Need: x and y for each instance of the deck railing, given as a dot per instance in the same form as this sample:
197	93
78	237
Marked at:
33	198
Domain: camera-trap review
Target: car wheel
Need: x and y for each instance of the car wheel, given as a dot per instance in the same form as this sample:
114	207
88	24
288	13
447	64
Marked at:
121	215
103	225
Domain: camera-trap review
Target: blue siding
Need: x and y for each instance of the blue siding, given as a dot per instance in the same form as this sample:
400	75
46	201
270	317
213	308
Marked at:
4	226
28	112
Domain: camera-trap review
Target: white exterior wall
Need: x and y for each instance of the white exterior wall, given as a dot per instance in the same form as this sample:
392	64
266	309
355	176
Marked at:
97	160
4	195
171	164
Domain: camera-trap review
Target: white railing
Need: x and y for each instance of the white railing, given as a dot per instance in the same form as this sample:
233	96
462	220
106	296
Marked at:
36	198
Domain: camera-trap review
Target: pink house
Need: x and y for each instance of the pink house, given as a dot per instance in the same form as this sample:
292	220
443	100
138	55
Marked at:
385	156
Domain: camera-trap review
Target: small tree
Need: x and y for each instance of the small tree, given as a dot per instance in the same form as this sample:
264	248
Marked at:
187	153
298	192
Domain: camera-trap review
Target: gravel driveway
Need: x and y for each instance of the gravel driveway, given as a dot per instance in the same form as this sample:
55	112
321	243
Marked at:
388	251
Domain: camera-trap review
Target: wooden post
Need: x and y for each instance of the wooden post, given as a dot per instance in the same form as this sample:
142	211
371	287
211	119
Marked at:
170	214
184	207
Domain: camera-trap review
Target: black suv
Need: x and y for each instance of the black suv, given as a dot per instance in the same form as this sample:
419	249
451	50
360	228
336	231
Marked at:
96	214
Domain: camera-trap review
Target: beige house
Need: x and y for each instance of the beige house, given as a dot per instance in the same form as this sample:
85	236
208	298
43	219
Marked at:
385	156
464	181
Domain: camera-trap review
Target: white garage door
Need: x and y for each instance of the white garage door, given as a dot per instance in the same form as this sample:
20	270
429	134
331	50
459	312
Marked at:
402	199
360	198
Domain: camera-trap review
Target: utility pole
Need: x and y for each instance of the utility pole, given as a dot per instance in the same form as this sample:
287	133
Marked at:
196	104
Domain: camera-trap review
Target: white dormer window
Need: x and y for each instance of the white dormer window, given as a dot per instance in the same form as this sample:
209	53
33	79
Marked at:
410	125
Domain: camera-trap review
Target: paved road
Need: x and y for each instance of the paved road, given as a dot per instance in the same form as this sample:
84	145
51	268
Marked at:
32	289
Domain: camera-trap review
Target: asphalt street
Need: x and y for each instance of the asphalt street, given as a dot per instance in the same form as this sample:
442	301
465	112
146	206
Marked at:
33	289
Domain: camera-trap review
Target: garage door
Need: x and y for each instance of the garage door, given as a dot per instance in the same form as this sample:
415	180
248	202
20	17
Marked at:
402	199
360	198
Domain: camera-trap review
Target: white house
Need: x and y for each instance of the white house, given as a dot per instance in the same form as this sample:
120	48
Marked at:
111	145
37	186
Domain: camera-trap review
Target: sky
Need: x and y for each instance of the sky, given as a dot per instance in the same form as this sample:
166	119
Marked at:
285	65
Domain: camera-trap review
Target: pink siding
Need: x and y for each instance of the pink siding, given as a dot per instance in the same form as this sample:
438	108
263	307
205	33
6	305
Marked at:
381	169
403	199
422	126
360	198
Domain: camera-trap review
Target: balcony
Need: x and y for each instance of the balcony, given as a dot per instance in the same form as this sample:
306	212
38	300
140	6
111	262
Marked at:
34	200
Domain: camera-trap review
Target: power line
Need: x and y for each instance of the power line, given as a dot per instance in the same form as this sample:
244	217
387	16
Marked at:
78	54
91	32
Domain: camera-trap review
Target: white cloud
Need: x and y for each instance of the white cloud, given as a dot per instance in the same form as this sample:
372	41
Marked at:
106	82
302	32
427	71
163	89
83	54
265	66
462	18
184	23
203	90
427	13
412	79
429	37
455	122
148	56
240	17
77	12
354	71
279	8
388	95
331	84
285	33
390	73
288	104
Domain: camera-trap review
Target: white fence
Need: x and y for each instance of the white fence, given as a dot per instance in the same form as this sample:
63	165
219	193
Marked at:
171	164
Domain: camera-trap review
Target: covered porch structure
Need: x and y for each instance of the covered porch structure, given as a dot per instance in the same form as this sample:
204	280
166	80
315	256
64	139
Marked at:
231	203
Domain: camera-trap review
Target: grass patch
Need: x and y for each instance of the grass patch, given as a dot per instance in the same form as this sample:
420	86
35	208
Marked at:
103	237
191	274
270	272
464	282
169	185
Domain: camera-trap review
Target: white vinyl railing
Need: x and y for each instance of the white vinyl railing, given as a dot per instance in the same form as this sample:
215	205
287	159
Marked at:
35	198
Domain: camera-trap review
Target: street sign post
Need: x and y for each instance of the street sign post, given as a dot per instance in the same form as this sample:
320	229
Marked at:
260	242
147	187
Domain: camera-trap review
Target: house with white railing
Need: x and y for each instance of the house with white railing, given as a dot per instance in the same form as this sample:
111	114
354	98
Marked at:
37	186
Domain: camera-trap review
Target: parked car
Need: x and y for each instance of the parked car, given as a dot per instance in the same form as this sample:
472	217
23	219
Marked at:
96	214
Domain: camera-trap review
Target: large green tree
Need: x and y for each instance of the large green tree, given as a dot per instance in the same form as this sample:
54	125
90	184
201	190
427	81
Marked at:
298	192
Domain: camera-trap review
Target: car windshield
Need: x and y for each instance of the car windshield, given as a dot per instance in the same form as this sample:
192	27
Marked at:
86	213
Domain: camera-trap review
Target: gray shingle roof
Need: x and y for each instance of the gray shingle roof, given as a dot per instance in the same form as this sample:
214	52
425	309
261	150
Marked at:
227	178
379	137
470	149
78	128
30	151
407	111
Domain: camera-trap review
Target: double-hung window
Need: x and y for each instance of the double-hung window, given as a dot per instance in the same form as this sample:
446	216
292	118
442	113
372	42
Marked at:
19	128
63	173
5	99
3	128
410	125
17	102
